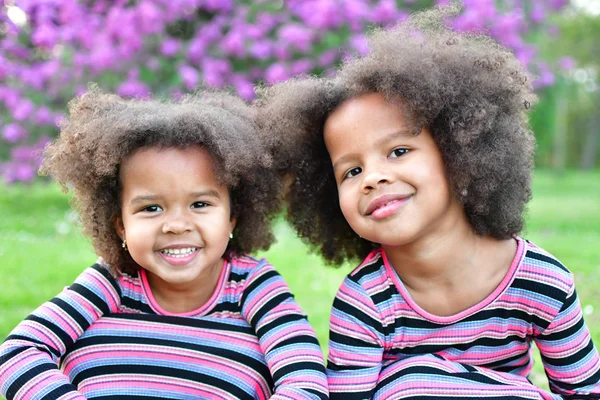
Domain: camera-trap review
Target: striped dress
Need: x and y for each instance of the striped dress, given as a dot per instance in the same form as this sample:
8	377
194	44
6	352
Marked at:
107	338
384	346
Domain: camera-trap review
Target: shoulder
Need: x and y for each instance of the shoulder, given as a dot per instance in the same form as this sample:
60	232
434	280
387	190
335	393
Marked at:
246	266
369	274
367	283
542	267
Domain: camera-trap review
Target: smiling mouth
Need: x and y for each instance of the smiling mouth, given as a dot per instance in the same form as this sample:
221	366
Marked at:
388	208
179	253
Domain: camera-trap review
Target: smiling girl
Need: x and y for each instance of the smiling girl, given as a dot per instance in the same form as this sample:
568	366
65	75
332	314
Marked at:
417	160
173	196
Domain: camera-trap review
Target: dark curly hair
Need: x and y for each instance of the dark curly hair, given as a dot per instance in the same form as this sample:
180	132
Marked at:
471	92
102	129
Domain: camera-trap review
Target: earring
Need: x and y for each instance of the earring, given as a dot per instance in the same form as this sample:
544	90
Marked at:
230	235
464	192
124	245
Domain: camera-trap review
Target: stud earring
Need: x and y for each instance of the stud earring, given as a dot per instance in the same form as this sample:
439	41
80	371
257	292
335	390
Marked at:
230	235
124	245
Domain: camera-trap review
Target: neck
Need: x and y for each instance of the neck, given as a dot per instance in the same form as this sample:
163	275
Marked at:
189	296
439	257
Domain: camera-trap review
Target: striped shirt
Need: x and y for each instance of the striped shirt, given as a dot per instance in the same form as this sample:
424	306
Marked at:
106	337
382	343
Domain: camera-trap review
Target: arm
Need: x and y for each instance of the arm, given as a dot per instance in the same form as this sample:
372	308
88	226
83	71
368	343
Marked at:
30	354
570	358
289	343
356	343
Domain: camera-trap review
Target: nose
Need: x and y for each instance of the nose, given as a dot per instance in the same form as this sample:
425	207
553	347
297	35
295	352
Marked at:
373	178
176	223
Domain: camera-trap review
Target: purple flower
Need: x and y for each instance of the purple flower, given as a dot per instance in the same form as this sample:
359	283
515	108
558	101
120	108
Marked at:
18	172
44	116
149	18
169	47
243	86
385	12
302	66
233	43
277	72
133	88
197	49
359	43
45	36
23	110
23	153
296	36
13	133
189	76
356	12
261	49
216	71
567	63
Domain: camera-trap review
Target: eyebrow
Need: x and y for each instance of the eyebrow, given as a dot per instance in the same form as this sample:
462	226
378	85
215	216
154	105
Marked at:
380	142
147	198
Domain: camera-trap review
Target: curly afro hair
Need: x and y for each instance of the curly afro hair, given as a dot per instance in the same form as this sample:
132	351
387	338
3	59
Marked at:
472	94
102	129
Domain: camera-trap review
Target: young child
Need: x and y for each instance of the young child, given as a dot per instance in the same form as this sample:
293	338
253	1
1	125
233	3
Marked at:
432	159
173	196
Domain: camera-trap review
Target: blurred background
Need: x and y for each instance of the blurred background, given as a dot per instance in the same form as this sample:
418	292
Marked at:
51	49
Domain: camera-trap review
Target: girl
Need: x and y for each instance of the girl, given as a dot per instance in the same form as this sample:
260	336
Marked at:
173	195
417	159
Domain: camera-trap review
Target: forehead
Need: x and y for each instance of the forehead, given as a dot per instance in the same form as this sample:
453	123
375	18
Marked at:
169	163
363	118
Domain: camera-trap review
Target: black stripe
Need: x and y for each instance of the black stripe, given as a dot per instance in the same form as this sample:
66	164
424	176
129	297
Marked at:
352	311
229	387
41	346
296	367
61	334
218	325
91	297
435	348
257	365
278	322
546	259
72	312
256	283
350	341
268	306
110	278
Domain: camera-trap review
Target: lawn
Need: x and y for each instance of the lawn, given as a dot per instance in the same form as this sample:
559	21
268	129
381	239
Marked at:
41	249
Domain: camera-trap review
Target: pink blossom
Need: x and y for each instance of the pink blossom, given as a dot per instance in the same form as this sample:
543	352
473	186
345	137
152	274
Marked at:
190	76
277	72
13	133
170	47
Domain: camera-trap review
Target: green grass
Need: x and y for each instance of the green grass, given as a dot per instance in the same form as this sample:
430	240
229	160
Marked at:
41	249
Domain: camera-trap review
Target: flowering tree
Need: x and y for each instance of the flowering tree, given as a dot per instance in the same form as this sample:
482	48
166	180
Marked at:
51	49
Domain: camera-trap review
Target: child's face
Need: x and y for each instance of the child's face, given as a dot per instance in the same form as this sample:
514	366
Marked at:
392	185
175	216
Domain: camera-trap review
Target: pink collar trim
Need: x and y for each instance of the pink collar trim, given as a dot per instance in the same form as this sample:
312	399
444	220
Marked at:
506	282
209	305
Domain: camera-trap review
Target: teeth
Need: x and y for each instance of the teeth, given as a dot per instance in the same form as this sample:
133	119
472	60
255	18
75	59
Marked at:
179	252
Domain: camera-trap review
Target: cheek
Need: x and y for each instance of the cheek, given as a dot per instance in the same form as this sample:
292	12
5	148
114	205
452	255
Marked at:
348	205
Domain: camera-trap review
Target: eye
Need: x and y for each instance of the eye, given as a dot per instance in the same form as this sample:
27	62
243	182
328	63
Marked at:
398	152
153	208
352	172
199	204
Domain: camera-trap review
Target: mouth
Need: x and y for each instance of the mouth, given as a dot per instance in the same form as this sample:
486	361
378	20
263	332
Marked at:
385	206
179	255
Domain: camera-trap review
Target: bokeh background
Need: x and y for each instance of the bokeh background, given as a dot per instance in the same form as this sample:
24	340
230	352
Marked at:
51	49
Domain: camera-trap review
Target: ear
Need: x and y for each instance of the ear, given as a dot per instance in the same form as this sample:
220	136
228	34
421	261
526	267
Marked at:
119	227
232	223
